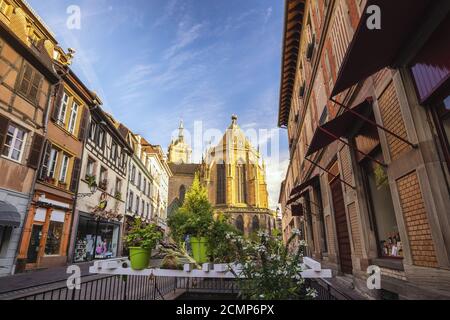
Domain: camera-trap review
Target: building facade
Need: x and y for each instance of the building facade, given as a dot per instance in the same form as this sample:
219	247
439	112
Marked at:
45	239
159	192
367	119
234	175
100	206
26	91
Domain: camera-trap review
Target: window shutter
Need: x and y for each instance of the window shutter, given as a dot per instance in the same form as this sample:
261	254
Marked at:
34	89
75	175
4	124
27	76
84	125
57	102
45	160
35	152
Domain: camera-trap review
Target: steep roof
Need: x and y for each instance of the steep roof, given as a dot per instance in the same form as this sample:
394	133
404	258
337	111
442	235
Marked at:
185	168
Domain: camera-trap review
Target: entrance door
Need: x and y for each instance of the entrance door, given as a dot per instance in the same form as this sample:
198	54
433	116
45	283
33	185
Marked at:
35	240
341	227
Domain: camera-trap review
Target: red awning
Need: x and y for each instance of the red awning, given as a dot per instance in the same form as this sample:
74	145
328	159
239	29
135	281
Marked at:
304	185
342	126
373	50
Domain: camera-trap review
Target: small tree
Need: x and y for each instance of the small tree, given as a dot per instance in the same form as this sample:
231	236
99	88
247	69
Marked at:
195	216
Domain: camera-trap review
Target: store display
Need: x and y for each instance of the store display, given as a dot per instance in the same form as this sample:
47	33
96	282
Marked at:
392	246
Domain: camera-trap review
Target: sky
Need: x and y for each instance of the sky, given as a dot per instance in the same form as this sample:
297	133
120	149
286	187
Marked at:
155	62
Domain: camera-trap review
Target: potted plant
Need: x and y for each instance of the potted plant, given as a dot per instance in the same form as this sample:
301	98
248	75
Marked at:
193	221
91	180
140	241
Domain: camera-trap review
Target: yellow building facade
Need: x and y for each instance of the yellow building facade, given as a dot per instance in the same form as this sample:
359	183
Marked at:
234	174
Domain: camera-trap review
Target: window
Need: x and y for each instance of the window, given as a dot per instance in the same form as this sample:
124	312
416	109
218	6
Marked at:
34	38
14	143
4	7
136	210
55	233
118	187
130	201
148	211
182	193
381	206
240	223
441	115
90	169
142	207
103	178
101	138
92	131
52	163
138	183
30	82
241	184
144	186
64	166
73	118
63	109
5	234
133	174
113	151
255	224
221	184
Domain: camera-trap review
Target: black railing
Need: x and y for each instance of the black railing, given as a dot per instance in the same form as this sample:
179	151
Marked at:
114	287
117	287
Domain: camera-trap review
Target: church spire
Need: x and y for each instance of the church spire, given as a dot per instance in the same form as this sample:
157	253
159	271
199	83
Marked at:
181	131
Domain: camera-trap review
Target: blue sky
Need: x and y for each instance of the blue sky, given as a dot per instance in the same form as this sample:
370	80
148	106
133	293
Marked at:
154	62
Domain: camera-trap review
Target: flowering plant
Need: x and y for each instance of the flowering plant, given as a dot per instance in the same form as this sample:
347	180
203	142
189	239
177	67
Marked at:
268	271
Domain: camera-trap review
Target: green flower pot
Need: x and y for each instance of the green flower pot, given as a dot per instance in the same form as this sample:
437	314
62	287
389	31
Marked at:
139	258
199	248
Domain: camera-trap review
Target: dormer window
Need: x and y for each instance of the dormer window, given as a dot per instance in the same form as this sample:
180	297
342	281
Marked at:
5	8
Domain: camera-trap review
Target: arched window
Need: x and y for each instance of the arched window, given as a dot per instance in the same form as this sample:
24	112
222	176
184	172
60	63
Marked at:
255	224
182	193
241	181
221	184
240	223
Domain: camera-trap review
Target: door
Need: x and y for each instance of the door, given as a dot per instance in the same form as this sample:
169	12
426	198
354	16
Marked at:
35	240
345	253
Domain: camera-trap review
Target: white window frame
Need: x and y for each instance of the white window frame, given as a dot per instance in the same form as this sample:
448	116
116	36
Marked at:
73	117
13	142
63	109
64	168
52	163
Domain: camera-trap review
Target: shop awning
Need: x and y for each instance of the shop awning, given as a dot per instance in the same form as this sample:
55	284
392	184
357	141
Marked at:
342	126
373	50
297	192
9	216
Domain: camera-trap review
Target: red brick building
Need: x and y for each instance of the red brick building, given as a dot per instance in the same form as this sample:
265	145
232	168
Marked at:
365	99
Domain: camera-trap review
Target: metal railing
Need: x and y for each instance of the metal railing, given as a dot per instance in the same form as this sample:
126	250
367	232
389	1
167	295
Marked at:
114	287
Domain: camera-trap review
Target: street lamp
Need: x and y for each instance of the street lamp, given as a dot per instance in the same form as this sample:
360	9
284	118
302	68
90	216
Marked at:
93	188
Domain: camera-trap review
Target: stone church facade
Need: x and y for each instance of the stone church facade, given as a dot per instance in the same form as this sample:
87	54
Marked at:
234	174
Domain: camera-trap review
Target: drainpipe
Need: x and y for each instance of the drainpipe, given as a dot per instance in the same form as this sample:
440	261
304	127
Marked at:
51	98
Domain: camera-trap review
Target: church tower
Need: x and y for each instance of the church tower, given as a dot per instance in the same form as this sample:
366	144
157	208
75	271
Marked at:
233	172
179	151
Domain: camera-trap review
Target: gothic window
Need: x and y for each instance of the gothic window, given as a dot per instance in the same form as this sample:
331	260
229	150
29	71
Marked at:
255	224
182	193
240	223
241	179
221	183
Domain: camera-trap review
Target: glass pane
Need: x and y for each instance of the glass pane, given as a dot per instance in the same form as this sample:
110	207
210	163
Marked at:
15	155
107	240
5	151
85	243
54	237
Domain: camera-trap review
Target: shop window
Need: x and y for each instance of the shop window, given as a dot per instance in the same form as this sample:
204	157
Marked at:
14	143
96	240
381	207
5	234
55	232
